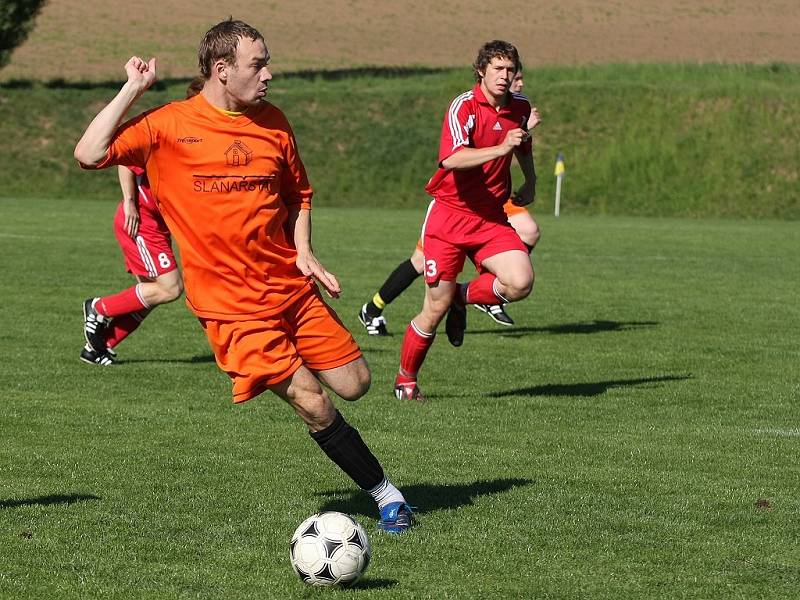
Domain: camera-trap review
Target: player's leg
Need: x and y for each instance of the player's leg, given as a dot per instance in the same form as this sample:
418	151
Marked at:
164	288
371	313
506	277
526	227
419	337
148	256
343	444
528	231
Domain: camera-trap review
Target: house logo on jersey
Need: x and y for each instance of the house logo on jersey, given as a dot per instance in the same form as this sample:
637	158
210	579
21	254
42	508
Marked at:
238	154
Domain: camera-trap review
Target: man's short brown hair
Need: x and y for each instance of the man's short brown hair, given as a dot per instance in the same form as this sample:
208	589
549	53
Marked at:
221	41
494	49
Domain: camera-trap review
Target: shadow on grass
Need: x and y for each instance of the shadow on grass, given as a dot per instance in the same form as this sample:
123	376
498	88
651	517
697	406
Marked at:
200	358
48	500
585	389
373	584
386	72
584	328
426	497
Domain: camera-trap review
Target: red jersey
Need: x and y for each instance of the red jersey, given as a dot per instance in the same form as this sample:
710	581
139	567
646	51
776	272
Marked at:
471	122
145	201
224	186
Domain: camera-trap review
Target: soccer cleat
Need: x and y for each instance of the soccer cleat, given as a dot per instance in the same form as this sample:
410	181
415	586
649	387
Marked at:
496	313
408	390
396	517
105	359
456	324
94	327
373	325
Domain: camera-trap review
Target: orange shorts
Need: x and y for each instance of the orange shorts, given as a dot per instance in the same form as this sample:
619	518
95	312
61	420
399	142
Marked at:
259	353
509	208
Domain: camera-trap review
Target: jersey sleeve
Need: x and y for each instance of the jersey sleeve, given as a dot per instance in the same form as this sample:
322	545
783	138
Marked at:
296	191
459	122
130	145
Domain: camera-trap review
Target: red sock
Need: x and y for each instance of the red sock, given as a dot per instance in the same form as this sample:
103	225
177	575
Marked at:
125	302
414	349
481	290
123	326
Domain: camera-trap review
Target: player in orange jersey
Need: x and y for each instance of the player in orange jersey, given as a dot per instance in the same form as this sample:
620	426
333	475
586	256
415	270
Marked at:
371	313
230	184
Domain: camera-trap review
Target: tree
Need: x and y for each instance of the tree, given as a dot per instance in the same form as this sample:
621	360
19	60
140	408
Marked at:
16	22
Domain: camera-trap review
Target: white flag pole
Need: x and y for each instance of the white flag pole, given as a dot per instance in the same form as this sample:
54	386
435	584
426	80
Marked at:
559	173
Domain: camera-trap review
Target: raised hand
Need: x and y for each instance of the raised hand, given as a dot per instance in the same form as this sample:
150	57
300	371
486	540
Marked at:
140	73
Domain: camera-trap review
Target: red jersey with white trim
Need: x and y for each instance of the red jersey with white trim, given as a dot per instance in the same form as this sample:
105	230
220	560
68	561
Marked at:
471	122
145	201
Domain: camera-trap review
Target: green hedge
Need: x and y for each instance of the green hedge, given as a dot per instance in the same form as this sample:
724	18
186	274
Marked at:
679	140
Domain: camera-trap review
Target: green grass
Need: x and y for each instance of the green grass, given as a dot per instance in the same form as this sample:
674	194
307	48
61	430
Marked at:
613	444
648	140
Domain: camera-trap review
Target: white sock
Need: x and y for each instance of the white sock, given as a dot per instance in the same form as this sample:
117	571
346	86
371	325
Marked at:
385	493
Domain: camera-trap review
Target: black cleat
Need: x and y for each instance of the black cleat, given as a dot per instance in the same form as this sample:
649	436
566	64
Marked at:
94	327
373	325
496	313
106	359
456	323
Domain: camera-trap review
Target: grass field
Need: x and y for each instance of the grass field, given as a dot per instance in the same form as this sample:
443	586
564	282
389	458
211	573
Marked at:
634	436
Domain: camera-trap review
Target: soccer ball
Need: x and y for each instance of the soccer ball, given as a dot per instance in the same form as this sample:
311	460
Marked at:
330	548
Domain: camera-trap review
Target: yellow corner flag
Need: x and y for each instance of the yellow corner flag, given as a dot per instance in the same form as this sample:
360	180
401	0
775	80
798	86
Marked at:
560	167
560	170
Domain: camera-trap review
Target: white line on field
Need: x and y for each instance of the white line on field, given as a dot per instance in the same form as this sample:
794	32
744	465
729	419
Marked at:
781	432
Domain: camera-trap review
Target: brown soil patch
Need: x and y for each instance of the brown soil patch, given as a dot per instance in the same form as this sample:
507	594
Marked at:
79	40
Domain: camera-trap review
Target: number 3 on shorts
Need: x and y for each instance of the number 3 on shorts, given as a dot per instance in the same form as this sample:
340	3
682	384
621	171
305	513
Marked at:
164	260
430	268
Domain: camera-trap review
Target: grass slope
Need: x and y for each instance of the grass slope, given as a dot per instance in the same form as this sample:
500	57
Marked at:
638	140
615	443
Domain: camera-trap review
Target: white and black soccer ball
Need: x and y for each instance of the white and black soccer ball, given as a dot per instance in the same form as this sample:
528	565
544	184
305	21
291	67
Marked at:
330	548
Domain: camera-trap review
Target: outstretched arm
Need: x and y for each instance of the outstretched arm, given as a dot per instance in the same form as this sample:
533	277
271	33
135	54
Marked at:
93	146
300	225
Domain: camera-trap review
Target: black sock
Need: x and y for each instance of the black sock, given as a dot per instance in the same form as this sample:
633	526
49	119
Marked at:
344	446
402	277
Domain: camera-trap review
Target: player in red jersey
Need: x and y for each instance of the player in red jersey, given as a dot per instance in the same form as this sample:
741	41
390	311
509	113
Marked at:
147	249
371	313
482	129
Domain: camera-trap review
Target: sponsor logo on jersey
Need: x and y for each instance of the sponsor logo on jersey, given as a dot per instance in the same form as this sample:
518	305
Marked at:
189	139
238	154
211	184
497	126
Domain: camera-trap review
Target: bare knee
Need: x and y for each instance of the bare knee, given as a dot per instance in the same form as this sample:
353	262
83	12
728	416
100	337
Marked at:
518	286
350	381
169	291
357	384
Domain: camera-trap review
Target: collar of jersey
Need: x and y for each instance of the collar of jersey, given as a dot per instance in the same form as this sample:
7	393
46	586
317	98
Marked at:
217	114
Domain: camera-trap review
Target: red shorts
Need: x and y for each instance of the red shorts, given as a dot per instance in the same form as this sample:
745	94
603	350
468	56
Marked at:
262	352
509	208
449	236
149	254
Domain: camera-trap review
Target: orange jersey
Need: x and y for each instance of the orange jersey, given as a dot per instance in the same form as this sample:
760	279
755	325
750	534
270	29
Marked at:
225	187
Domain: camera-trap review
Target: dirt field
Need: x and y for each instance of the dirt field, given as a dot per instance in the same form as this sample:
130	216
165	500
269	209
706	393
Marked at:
79	40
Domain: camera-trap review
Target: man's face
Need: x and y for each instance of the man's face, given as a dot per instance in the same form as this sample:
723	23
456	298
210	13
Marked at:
247	79
498	76
517	83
